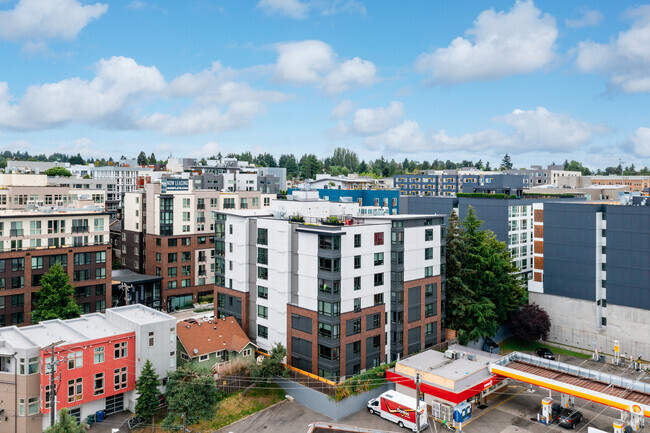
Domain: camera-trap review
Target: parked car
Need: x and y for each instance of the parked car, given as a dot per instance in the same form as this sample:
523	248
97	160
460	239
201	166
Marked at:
191	321
208	317
543	352
569	418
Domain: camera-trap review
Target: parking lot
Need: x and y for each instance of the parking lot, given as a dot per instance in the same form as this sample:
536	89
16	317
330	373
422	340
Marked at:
514	411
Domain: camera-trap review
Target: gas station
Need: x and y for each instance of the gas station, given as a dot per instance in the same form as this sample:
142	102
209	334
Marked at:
452	382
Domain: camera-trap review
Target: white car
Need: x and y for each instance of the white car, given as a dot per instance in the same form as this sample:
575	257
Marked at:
208	317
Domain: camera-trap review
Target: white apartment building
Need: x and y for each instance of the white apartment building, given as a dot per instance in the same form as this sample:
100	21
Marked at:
342	291
18	191
126	178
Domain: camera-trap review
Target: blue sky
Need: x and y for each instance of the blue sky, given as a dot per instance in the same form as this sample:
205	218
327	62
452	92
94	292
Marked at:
542	81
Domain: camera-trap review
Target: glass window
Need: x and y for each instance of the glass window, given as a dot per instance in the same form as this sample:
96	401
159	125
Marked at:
379	238
379	279
263	292
99	355
120	350
357	240
379	259
99	383
262	331
262	312
357	262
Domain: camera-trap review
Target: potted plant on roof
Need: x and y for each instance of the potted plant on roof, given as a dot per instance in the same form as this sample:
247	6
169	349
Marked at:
333	220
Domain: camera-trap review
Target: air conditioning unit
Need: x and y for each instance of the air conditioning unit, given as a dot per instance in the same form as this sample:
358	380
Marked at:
451	354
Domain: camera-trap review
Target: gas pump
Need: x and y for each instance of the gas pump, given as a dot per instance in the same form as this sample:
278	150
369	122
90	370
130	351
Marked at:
619	426
567	401
547	411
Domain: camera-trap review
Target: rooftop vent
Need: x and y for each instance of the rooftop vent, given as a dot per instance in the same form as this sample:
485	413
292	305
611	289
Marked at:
196	351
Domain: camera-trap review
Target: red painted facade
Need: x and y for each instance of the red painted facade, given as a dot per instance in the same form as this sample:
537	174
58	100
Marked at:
77	378
444	394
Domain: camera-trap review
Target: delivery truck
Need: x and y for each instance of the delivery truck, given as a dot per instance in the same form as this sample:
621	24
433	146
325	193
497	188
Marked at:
400	409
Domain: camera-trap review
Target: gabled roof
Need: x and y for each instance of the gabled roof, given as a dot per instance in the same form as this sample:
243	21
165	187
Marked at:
208	337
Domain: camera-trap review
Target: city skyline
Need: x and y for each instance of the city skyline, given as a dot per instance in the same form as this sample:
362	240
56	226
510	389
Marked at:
543	82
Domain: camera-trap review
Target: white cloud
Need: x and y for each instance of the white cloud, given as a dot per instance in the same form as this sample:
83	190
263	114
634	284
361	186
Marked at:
626	58
299	10
290	8
641	142
120	92
314	62
536	130
344	108
34	21
369	121
589	18
500	44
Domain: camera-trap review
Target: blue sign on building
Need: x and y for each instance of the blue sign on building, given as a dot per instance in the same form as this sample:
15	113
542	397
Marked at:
174	185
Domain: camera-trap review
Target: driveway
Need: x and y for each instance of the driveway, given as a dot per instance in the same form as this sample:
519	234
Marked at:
114	421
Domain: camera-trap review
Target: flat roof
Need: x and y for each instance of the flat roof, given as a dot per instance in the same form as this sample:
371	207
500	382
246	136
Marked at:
128	276
434	362
140	314
87	327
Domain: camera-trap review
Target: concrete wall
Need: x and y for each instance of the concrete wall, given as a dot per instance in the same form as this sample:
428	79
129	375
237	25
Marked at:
327	406
574	323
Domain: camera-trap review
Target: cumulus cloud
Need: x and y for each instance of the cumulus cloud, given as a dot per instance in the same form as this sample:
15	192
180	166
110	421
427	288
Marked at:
314	62
299	10
368	121
589	18
536	130
344	108
118	93
626	58
500	44
35	21
640	141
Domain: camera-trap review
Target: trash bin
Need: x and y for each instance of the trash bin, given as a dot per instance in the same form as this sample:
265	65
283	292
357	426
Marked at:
91	419
100	415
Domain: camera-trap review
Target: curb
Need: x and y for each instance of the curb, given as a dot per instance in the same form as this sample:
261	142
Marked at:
222	429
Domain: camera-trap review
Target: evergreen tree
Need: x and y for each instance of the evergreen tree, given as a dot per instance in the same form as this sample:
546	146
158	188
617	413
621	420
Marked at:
191	390
271	365
54	300
148	393
152	159
290	164
487	166
310	166
362	167
457	293
506	163
142	158
66	423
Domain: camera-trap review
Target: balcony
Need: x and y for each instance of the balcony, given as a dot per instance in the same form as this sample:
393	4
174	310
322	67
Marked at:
200	206
16	232
80	229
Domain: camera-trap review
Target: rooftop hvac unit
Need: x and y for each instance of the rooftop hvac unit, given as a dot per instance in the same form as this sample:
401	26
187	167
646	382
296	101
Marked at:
471	357
451	354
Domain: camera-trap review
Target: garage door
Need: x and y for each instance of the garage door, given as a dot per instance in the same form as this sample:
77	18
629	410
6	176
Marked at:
114	403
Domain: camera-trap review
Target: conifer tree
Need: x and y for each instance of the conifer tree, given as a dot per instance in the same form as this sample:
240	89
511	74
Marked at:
148	393
54	300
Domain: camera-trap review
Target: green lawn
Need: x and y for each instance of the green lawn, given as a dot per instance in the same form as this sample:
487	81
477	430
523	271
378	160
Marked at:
237	406
513	344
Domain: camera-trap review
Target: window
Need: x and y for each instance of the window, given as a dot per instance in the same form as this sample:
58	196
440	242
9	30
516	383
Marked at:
75	389
262	236
262	331
356	327
185	356
397	257
82	275
379	279
428	271
172	272
262	273
357	304
428	253
329	308
32	408
37	263
172	284
262	312
357	262
81	259
331	353
120	378
357	240
379	298
75	360
430	289
428	235
152	339
379	238
379	259
171	257
100	273
204	357
263	292
186	256
429	310
262	256
99	354
357	283
186	203
428	328
356	347
100	257
99	384
329	331
18	264
100	306
120	349
397	238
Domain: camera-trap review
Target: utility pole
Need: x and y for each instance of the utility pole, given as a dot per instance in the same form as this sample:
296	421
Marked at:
53	365
417	400
15	392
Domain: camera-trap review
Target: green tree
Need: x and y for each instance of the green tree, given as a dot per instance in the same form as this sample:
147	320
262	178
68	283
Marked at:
142	158
191	390
271	366
361	168
152	159
482	288
265	160
290	164
58	171
76	160
310	166
576	166
344	158
148	393
506	163
54	300
67	423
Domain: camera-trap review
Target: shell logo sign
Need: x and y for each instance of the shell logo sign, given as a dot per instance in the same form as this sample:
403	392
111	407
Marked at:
636	408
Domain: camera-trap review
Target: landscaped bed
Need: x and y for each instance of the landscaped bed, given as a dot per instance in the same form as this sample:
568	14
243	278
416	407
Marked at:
513	344
237	406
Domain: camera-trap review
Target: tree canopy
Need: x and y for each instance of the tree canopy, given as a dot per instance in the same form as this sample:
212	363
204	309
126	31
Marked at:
530	323
482	288
54	300
271	365
148	393
66	423
506	163
58	171
191	390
